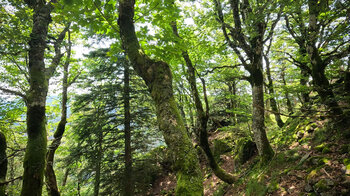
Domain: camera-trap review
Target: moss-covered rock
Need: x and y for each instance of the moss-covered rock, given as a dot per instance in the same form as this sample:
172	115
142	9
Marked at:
220	147
245	149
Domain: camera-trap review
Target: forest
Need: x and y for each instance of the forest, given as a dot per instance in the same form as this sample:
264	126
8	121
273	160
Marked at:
174	97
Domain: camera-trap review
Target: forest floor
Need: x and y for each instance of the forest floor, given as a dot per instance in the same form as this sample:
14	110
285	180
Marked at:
311	159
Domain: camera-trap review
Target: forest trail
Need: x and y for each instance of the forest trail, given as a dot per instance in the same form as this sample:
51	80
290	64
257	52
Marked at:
321	167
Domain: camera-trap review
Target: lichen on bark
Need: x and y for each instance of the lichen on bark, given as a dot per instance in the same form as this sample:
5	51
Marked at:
158	78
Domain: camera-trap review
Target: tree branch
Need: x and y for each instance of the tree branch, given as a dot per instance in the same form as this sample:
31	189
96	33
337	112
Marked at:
9	181
58	55
13	92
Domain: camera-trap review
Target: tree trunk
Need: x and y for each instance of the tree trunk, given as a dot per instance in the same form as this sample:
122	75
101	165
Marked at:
34	160
233	90
202	118
128	181
98	160
303	82
158	78
64	182
50	177
260	138
3	163
286	94
257	82
253	50
273	102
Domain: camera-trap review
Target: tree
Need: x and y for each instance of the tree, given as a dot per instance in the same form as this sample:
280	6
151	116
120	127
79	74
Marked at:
321	35
3	163
202	116
157	76
270	86
252	28
129	181
50	176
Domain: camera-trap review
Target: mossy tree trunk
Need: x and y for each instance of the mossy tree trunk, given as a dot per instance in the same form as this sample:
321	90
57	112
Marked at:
202	117
257	82
286	94
34	160
3	163
128	177
39	75
157	76
252	60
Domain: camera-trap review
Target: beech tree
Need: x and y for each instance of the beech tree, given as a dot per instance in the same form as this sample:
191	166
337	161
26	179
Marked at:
202	115
320	45
157	76
254	23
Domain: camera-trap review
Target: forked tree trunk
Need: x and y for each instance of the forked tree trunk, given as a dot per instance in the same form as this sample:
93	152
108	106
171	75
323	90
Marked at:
158	78
253	49
3	163
50	177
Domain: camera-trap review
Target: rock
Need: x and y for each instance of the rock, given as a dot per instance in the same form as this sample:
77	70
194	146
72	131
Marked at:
220	147
246	149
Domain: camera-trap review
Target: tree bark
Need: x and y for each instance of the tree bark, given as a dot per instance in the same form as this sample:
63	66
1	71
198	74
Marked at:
128	177
157	76
289	103
202	118
98	160
3	163
50	177
34	160
272	99
265	151
253	49
233	91
64	182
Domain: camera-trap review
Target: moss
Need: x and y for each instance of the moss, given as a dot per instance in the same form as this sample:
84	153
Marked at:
255	188
245	149
220	147
188	185
34	160
273	186
189	177
324	148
